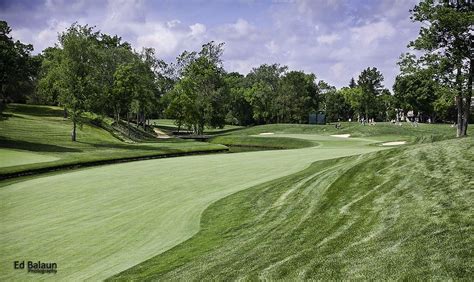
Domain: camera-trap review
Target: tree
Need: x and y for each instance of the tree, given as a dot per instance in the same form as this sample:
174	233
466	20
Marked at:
336	106
18	68
352	83
112	53
264	86
240	110
416	92
78	71
201	91
447	34
354	98
297	97
370	82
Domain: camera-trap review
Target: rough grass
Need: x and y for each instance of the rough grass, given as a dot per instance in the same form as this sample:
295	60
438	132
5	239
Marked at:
398	214
263	142
42	132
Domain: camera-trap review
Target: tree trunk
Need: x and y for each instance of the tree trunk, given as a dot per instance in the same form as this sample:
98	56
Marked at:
73	134
128	124
467	105
459	104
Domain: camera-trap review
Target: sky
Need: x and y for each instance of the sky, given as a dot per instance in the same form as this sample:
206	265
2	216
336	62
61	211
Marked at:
334	39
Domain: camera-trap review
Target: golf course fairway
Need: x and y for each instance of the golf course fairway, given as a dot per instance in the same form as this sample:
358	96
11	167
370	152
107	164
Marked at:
97	222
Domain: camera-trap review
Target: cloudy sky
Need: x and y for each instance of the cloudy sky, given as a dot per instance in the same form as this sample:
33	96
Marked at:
335	39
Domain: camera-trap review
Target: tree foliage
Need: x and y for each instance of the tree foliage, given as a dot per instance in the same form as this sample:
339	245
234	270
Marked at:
447	37
18	68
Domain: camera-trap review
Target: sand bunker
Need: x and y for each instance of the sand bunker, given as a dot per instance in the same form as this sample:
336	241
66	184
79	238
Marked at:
341	135
394	143
160	134
266	133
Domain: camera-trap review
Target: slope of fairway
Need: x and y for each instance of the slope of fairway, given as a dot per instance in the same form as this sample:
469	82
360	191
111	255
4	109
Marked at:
400	214
259	141
421	133
42	130
100	221
16	157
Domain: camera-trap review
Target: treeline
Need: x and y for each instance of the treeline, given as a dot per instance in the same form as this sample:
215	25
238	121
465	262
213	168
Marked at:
89	71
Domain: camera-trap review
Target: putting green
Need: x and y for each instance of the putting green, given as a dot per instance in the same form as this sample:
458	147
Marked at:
15	157
99	221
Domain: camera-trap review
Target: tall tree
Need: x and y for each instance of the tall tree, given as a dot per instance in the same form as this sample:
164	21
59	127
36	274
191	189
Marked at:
370	82
264	87
240	110
447	33
297	97
202	90
79	72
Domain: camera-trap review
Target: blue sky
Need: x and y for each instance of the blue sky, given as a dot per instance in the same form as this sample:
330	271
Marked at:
335	39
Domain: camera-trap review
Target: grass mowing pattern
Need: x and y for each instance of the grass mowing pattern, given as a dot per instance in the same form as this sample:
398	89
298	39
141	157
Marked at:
44	132
397	214
427	132
97	222
263	142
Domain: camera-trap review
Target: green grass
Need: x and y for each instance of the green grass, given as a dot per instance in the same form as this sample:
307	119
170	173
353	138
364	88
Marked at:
42	133
398	214
424	132
14	158
263	142
96	222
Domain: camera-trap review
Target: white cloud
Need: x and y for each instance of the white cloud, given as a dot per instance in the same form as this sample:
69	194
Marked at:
197	29
369	33
338	69
43	38
272	47
328	38
156	35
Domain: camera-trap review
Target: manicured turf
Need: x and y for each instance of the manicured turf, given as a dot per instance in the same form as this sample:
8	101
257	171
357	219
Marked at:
422	133
15	157
97	222
400	214
42	130
261	142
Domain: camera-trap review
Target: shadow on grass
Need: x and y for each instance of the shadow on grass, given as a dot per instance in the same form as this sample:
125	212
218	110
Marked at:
129	147
35	110
35	147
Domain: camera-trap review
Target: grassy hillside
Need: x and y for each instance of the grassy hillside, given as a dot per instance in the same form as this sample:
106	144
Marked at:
33	137
397	214
430	132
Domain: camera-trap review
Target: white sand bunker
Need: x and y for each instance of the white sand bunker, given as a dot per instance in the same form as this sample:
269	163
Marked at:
267	133
160	134
341	135
394	143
